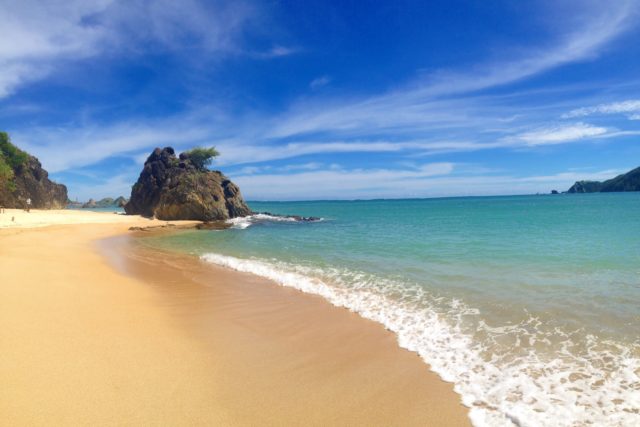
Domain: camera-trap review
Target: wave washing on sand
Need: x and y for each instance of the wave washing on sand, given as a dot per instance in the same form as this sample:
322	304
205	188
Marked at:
594	383
248	221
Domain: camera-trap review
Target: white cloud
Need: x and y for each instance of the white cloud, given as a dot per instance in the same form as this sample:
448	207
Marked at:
428	102
114	186
252	170
37	36
62	149
561	134
582	40
319	82
66	149
629	106
303	166
333	182
434	180
432	115
277	51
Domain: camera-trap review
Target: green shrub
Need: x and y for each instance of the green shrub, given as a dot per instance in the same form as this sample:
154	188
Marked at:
6	172
13	156
202	157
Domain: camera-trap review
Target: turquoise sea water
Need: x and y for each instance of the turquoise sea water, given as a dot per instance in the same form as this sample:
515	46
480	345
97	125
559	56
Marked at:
530	305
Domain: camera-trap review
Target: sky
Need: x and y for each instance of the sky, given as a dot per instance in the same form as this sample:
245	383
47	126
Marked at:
327	99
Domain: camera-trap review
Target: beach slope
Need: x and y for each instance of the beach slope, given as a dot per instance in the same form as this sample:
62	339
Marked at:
103	334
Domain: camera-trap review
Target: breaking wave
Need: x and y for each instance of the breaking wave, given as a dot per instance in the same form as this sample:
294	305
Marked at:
248	221
525	374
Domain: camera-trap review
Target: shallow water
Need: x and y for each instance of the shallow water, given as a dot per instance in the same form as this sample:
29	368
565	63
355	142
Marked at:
530	305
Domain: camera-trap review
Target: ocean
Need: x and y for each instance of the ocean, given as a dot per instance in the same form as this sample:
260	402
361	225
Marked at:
529	305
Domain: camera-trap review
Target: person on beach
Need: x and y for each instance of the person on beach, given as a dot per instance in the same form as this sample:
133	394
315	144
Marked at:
28	205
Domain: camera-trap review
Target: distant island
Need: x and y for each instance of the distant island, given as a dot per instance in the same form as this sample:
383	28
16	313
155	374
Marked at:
629	181
107	202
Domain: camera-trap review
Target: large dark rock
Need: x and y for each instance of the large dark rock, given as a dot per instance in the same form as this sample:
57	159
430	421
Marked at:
629	181
172	188
31	181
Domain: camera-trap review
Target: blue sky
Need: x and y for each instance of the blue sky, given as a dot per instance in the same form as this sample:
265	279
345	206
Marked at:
320	99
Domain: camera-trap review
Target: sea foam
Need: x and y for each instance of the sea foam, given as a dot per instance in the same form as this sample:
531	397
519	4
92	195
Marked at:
596	385
248	221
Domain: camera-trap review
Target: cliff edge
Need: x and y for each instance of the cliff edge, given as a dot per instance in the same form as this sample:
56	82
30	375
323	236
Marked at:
22	177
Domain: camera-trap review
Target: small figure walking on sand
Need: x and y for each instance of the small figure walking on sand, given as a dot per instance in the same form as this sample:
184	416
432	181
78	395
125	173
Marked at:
28	204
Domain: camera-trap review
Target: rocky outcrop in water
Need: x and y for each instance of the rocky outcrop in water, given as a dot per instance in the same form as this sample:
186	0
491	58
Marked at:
172	188
22	177
629	181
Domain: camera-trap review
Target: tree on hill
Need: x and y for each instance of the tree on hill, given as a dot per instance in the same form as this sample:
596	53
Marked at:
22	177
200	157
6	172
13	156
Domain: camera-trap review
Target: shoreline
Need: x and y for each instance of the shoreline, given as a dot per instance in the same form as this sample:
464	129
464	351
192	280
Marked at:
220	345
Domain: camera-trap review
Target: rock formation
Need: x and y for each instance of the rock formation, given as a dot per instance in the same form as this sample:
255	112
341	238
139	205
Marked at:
107	202
120	202
172	188
629	181
22	178
90	204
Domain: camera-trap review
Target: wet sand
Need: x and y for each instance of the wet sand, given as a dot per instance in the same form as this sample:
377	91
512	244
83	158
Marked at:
104	332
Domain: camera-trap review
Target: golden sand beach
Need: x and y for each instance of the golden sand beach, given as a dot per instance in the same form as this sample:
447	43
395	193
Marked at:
95	330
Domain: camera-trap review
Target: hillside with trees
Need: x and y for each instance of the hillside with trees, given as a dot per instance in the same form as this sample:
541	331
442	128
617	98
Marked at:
22	177
629	181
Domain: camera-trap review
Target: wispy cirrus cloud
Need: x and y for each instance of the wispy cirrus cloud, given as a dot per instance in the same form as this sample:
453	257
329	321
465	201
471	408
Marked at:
433	180
275	52
431	114
37	37
432	99
584	38
561	134
631	107
443	111
318	82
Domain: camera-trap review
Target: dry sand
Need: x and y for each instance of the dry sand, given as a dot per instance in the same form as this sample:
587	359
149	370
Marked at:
18	218
110	334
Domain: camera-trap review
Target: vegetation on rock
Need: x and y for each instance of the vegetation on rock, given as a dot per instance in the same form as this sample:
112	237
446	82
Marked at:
11	158
200	157
22	178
